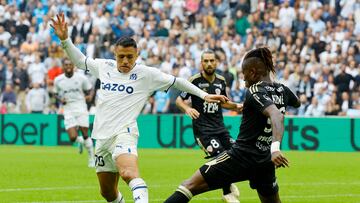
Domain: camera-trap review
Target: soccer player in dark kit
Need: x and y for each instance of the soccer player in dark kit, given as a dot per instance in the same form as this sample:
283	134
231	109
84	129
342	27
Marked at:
208	122
256	153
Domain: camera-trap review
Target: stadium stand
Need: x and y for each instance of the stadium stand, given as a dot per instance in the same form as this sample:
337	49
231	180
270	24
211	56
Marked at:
315	43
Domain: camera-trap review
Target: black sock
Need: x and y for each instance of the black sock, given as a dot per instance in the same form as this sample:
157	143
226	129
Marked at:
226	190
177	197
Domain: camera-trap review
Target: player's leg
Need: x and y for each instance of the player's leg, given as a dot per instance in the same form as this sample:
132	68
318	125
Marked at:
227	141
108	187
263	179
107	173
215	174
71	128
125	156
213	146
83	121
270	199
189	188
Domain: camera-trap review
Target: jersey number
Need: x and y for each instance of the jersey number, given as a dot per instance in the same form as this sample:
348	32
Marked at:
268	128
214	143
210	107
99	161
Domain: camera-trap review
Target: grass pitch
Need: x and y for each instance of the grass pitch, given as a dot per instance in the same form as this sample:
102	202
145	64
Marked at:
59	174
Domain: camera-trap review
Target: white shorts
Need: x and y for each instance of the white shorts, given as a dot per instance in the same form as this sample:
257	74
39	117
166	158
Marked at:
107	150
81	120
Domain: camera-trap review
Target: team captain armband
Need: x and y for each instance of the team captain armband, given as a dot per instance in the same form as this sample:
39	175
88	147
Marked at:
275	147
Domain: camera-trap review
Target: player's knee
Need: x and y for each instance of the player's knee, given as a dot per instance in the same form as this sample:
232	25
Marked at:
72	138
128	174
190	185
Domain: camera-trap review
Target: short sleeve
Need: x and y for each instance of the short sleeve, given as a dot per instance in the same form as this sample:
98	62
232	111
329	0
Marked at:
86	84
292	98
159	80
258	98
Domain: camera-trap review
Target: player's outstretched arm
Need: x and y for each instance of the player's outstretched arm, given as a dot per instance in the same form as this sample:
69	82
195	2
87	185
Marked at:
277	125
233	106
61	30
186	86
184	107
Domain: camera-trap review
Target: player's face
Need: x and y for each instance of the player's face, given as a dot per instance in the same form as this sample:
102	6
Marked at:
125	58
68	67
209	63
249	77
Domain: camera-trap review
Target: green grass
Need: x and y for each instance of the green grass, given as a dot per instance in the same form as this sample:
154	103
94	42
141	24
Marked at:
59	174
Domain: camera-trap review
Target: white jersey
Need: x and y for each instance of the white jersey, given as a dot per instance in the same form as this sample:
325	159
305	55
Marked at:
72	90
122	96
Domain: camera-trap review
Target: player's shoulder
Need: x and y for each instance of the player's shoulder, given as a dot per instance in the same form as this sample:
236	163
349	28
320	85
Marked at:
59	78
194	77
106	62
220	77
257	87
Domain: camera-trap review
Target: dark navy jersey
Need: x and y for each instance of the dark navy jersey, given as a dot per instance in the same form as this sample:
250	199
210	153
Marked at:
210	120
255	135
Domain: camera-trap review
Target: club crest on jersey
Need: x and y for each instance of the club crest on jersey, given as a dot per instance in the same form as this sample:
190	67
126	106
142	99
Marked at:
280	89
117	87
133	76
217	91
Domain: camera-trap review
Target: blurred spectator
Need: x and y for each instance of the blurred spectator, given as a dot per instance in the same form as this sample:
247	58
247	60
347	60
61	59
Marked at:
37	71
314	109
21	81
161	102
303	105
8	99
37	99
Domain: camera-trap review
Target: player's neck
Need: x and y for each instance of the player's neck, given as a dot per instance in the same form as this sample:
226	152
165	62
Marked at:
69	75
209	78
266	79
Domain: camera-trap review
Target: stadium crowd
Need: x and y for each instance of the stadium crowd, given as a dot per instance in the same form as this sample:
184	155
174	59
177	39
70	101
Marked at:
315	44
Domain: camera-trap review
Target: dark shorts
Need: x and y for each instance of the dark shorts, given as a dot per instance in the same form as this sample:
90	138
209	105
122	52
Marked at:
224	170
214	144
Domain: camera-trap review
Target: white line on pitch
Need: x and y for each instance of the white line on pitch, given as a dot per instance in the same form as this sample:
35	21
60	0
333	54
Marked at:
217	198
164	185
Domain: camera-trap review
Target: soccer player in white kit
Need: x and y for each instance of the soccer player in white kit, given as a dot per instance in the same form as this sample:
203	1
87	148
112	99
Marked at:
125	87
72	88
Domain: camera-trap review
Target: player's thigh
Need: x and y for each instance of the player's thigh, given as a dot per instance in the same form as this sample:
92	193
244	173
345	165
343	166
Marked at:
108	182
72	132
82	120
70	121
222	171
263	179
275	198
211	145
103	155
226	140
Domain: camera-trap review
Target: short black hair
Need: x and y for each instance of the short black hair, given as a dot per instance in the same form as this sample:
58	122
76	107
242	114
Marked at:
126	42
264	54
209	51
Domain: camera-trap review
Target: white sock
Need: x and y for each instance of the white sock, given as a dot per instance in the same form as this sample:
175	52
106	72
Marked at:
89	146
139	189
79	139
119	199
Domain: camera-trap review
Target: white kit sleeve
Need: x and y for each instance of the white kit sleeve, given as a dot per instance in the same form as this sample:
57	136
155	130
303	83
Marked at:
79	59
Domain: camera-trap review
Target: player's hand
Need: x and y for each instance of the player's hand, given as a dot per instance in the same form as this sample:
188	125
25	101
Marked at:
239	108
213	98
193	113
63	101
60	26
279	159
